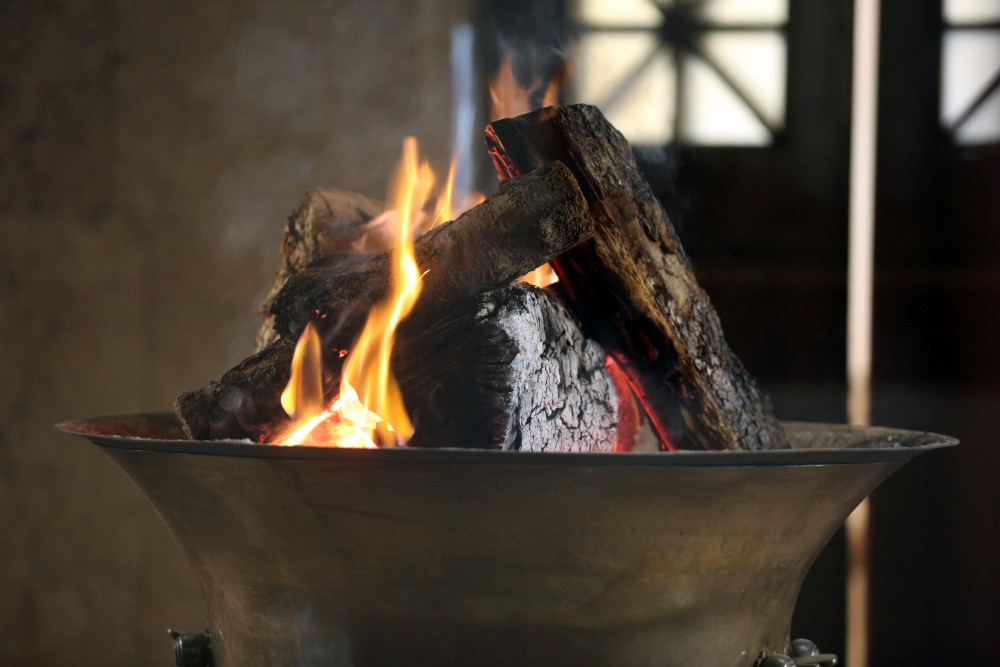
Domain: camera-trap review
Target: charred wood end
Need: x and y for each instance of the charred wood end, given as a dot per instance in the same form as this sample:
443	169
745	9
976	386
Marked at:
633	288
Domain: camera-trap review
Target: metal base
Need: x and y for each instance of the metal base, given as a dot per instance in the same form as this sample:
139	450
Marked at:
313	556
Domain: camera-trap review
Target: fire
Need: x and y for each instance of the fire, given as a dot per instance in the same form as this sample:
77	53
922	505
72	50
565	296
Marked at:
367	367
510	98
543	276
369	409
345	422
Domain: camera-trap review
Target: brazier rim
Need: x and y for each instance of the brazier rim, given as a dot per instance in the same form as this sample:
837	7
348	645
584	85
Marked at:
817	444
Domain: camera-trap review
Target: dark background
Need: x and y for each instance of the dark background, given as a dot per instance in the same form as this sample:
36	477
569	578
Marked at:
149	154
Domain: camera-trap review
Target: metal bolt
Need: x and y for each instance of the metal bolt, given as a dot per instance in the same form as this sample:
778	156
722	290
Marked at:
192	649
803	647
774	660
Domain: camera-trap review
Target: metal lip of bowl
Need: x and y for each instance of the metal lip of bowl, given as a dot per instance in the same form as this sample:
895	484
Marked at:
816	444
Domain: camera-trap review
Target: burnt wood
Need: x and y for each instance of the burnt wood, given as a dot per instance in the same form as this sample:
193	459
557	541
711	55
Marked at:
507	370
526	223
332	228
633	288
510	370
245	401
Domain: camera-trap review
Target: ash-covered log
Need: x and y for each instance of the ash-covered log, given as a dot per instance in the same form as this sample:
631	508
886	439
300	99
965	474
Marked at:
510	370
526	223
633	289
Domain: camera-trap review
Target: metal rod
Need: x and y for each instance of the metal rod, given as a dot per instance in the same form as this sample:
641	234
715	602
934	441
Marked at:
860	294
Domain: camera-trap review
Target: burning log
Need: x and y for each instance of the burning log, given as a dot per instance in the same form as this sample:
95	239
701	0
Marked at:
510	371
528	222
331	228
245	401
633	289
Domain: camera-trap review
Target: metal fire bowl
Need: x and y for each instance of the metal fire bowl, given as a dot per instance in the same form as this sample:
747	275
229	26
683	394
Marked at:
314	556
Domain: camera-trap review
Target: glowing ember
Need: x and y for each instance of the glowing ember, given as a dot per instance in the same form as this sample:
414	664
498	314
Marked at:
303	401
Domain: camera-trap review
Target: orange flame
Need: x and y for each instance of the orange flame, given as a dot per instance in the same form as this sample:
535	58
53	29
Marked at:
370	407
510	98
367	366
543	276
445	210
346	423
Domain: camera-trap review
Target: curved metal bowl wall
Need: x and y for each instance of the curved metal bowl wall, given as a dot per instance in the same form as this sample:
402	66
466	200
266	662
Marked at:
444	557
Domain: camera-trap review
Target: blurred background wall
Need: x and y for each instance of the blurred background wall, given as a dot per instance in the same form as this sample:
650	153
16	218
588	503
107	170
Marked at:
150	152
149	155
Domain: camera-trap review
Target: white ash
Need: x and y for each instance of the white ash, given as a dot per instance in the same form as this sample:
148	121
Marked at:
563	398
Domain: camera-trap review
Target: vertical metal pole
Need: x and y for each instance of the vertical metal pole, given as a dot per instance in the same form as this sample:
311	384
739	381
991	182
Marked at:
463	86
860	290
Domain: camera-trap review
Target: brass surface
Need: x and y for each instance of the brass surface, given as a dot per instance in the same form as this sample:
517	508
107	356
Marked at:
311	556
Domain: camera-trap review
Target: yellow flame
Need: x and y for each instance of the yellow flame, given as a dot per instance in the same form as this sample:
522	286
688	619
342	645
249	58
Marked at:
543	276
510	98
304	403
445	208
369	408
303	397
367	367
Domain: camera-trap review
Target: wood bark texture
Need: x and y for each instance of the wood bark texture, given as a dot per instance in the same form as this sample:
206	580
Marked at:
633	288
527	222
331	228
245	401
510	370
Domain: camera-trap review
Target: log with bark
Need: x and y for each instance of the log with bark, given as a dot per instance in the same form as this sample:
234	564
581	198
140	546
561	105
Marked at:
330	228
633	288
510	370
535	217
526	223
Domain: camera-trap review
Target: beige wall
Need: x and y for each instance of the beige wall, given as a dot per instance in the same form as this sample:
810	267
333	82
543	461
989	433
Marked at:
149	153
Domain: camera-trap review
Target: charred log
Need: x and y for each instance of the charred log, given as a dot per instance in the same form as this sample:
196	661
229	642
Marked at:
242	403
633	289
331	228
527	222
509	371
